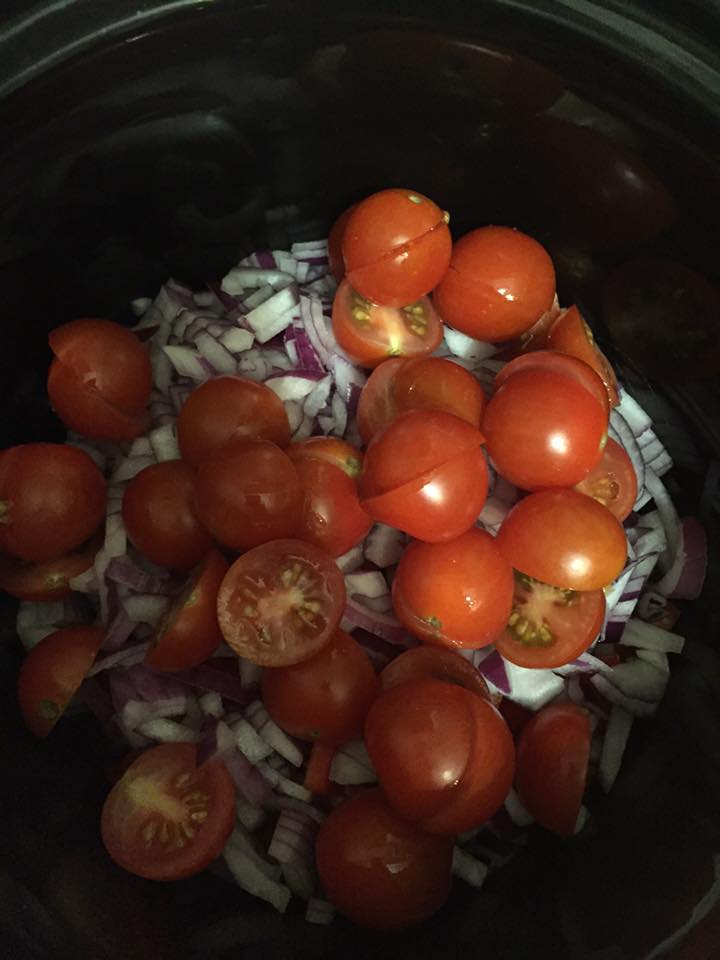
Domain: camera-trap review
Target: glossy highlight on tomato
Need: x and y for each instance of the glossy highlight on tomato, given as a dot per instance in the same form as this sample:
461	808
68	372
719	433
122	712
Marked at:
559	363
332	517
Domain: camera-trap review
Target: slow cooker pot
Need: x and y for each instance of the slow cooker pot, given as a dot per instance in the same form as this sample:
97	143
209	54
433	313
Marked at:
143	140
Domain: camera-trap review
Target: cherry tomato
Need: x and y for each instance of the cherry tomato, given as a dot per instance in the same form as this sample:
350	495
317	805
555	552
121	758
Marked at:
280	603
437	663
358	850
317	771
396	247
189	633
248	492
332	517
552	762
333	450
439	505
416	442
52	499
326	697
571	335
560	363
229	408
52	672
613	482
167	818
498	284
548	626
370	333
376	406
50	579
544	430
100	379
335	241
434	383
563	538
159	514
457	594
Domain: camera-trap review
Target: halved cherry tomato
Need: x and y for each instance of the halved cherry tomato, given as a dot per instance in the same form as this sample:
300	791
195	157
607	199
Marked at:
563	538
544	430
100	379
536	337
548	626
439	505
332	517
326	697
248	492
317	771
416	442
498	284
571	335
560	363
335	241
457	594
229	408
49	580
552	762
333	450
437	663
613	482
434	383
396	246
52	672
280	603
52	499
370	332
159	514
378	869
189	633
376	406
166	818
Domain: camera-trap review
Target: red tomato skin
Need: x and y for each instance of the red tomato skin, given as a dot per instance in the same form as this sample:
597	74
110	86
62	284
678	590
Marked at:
332	450
376	406
248	492
552	761
544	430
335	241
52	499
498	284
160	517
551	361
441	504
355	846
52	672
332	517
570	334
457	593
438	663
49	580
565	539
613	482
229	408
435	383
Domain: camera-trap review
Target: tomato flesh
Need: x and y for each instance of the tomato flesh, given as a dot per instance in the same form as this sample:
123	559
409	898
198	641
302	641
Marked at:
49	580
570	334
613	482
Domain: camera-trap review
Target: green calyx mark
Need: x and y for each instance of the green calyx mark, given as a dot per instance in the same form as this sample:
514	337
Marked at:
49	710
191	598
433	622
352	467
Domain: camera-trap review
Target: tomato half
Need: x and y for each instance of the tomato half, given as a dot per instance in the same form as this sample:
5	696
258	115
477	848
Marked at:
416	442
560	363
229	408
437	663
100	380
613	482
376	406
544	430
563	538
335	241
370	332
326	697
189	633
332	517
332	450
434	383
52	672
248	492
439	505
458	593
50	579
281	602
317	770
166	818
549	627
52	499
552	762
159	514
358	852
396	246
498	284
570	334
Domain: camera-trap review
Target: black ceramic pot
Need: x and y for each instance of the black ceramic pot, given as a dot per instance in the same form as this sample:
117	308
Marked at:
143	139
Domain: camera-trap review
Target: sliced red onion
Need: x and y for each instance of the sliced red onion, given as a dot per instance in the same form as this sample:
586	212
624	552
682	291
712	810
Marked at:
384	546
493	513
140	305
494	668
129	467
251	365
250	673
209	347
531	688
211	704
249	742
378	650
352	560
239	279
319	911
468	868
685	577
647	636
252	877
189	363
249	816
349	381
516	810
616	737
283	784
295	385
638	708
167	731
381	624
292	837
306	348
40	614
119	631
658	660
585	663
633	413
236	339
316	320
122	570
274	315
127	657
272	734
351	765
31	636
621	432
140	447
366	583
305	429
216	680
299	875
317	397
337	423
253	786
461	345
639	679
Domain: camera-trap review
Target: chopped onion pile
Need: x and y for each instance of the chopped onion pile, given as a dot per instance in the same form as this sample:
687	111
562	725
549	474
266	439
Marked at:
269	321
